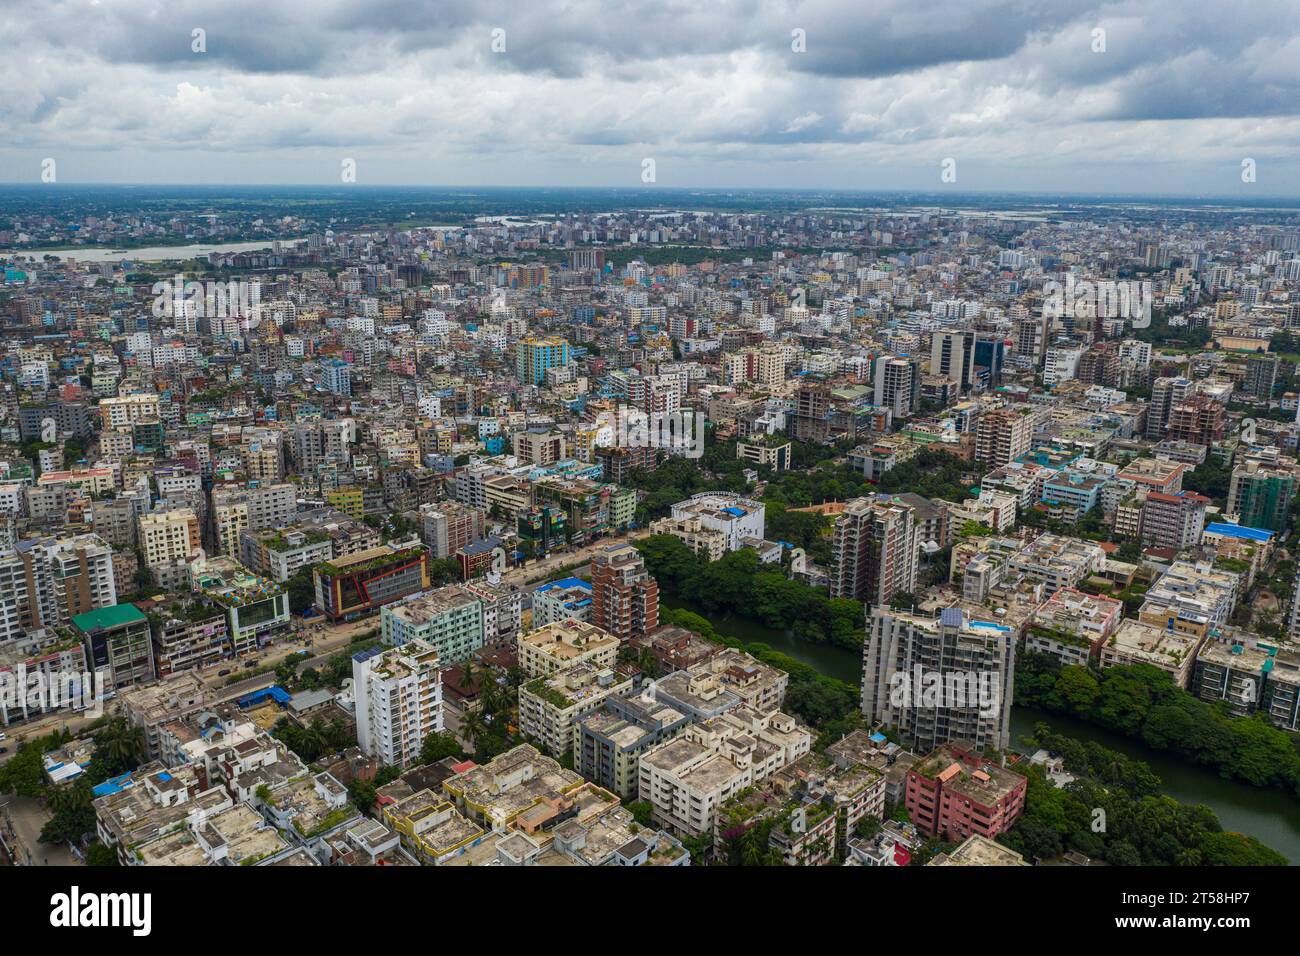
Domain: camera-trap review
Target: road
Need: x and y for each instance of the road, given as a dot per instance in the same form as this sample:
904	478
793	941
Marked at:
537	571
323	638
21	820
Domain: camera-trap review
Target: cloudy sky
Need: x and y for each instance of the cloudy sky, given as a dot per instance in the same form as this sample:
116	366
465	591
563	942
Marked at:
714	91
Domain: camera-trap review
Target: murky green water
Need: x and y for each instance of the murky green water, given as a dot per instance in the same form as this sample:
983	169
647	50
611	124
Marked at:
1271	816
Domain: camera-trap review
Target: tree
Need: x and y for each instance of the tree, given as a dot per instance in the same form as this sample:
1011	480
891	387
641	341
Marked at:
642	812
439	746
363	793
72	815
99	855
122	745
1234	849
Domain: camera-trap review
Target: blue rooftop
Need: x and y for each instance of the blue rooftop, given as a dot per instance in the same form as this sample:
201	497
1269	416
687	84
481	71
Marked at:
275	693
564	584
1238	531
113	785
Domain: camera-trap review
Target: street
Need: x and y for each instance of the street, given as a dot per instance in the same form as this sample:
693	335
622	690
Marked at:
21	820
537	571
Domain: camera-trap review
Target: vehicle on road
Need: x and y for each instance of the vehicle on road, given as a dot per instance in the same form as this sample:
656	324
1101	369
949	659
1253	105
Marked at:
4	750
223	673
251	664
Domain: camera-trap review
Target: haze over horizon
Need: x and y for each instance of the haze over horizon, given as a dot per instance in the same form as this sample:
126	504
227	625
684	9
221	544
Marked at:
778	95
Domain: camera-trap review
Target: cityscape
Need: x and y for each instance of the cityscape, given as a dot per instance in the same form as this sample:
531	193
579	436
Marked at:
665	521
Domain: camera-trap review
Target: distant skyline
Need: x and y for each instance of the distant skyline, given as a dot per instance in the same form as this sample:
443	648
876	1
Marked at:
1024	96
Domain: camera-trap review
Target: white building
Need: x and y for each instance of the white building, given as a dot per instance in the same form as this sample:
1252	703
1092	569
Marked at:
398	694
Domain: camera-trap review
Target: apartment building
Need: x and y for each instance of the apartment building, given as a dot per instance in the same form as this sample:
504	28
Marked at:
1003	435
398	694
254	508
954	793
564	644
45	582
695	534
875	550
686	779
1137	642
550	706
169	537
448	526
121	414
624	597
1173	521
1261	490
938	679
1072	625
1193	598
735	517
568	599
608	742
450	620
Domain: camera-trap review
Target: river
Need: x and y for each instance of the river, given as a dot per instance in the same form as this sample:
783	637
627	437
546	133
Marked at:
1271	816
149	253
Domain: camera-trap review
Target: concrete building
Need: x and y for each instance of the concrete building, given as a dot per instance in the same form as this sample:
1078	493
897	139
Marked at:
624	597
550	706
548	649
736	517
450	620
398	694
939	679
954	793
874	551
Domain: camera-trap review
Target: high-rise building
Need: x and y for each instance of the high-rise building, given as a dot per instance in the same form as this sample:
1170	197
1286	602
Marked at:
533	356
939	679
254	508
898	385
336	376
1173	521
1260	492
1165	394
448	526
398	693
1197	420
1261	374
1003	435
812	412
46	582
450	620
624	597
875	550
118	645
170	536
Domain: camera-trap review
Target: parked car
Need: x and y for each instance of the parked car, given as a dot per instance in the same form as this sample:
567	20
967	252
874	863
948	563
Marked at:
4	750
223	673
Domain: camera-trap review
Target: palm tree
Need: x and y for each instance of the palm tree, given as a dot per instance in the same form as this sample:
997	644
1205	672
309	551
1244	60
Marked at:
473	728
122	745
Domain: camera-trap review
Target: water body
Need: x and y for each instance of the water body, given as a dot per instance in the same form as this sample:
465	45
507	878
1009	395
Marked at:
1271	816
827	659
150	253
